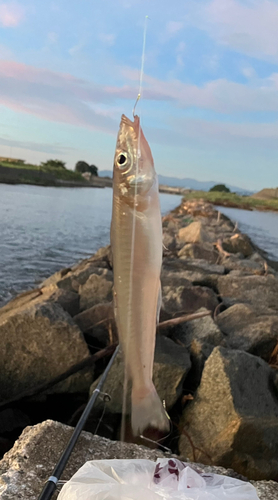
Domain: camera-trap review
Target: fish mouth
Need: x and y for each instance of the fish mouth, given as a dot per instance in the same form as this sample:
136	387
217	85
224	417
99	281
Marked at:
134	124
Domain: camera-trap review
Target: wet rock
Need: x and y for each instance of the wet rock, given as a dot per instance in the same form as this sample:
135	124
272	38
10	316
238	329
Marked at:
238	243
95	321
233	419
39	343
97	289
195	233
203	251
247	331
260	292
171	365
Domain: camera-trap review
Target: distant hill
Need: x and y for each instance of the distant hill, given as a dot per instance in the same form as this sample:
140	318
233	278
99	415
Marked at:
267	194
186	183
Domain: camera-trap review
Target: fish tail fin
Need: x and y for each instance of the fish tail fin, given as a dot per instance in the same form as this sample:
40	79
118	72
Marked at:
148	411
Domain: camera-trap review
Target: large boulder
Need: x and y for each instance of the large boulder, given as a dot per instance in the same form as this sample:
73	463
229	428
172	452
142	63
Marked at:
187	299
171	365
195	233
238	243
233	420
96	321
244	329
260	292
97	289
38	343
26	467
205	251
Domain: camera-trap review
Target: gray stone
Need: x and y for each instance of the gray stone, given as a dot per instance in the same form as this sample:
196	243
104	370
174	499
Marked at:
68	300
195	233
244	266
187	299
204	251
201	329
96	321
171	365
261	292
97	289
233	421
26	467
39	343
238	243
247	331
169	241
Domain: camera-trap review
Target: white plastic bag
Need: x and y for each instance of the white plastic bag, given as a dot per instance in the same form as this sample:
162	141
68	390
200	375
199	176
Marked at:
146	480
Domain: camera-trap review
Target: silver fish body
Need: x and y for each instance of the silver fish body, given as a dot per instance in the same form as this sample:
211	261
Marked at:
136	239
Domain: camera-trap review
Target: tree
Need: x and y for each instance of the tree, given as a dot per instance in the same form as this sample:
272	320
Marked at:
93	169
53	164
83	166
221	188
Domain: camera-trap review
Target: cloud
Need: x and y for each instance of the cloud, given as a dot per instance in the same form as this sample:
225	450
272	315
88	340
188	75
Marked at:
11	14
107	39
36	146
173	27
250	28
219	95
180	51
54	96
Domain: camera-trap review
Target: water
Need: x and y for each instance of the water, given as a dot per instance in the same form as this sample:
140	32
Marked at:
43	229
262	227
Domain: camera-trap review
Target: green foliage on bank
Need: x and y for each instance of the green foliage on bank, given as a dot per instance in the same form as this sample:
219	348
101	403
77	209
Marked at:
56	169
220	188
233	200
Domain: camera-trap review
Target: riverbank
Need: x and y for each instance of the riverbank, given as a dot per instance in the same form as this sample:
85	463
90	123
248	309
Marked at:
233	200
216	368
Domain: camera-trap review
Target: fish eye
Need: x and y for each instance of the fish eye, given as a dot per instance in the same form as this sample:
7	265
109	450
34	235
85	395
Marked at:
122	160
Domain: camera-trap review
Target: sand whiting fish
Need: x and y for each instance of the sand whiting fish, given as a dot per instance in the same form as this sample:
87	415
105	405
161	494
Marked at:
136	240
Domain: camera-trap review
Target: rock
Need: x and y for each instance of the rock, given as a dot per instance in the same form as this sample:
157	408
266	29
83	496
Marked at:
244	266
194	233
204	251
171	365
233	419
97	289
260	292
39	343
95	322
238	243
201	329
187	299
247	331
200	336
103	257
68	300
52	280
169	242
26	467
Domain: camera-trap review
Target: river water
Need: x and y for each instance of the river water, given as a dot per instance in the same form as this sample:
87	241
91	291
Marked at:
262	227
43	229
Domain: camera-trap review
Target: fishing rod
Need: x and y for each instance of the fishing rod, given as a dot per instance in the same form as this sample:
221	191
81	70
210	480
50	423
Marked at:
51	483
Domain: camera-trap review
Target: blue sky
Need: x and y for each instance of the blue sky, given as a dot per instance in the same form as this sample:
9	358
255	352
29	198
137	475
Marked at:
69	69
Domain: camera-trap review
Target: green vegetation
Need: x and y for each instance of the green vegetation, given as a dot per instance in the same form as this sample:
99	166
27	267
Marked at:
53	164
47	173
233	200
83	166
220	188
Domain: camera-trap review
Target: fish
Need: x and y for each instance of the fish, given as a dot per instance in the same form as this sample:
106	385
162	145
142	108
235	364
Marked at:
136	242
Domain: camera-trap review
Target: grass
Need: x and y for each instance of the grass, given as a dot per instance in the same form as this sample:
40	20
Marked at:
233	200
57	173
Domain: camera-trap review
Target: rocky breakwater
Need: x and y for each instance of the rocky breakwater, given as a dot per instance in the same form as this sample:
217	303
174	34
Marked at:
216	356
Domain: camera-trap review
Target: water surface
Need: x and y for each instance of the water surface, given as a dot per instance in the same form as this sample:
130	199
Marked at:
43	229
262	227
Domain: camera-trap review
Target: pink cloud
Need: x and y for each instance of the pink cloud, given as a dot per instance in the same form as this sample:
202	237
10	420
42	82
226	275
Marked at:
11	14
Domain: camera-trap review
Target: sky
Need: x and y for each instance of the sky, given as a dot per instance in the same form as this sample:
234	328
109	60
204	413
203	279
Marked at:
209	107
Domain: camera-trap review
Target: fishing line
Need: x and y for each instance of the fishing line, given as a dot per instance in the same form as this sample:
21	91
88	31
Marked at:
125	387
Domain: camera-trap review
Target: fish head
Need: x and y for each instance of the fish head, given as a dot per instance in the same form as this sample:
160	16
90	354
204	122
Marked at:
133	163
